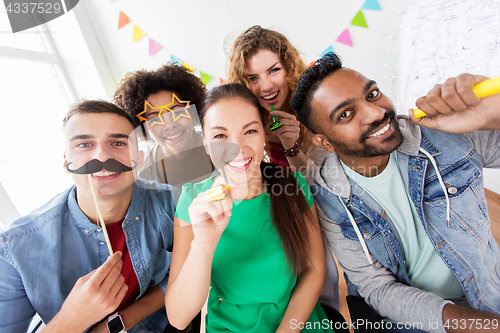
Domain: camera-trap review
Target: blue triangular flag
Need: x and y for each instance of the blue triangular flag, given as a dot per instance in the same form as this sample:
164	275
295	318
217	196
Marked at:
372	4
328	50
175	60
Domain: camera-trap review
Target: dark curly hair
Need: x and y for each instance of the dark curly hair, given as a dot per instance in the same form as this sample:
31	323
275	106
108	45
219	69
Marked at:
138	86
309	83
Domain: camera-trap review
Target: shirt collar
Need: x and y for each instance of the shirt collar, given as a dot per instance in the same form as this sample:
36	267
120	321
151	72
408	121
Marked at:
134	212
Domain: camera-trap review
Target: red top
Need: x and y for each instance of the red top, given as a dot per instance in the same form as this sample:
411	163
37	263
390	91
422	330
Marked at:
277	156
117	238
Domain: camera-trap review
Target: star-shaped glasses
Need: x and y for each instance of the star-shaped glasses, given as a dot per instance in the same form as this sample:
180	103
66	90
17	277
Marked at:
157	111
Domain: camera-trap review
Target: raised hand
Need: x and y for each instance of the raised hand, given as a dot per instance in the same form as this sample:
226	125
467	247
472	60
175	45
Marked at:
289	131
453	107
210	219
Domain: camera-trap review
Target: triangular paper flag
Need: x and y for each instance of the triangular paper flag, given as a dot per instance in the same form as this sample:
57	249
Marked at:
138	34
311	63
359	20
222	81
345	38
123	20
205	78
372	4
153	47
175	60
189	68
328	50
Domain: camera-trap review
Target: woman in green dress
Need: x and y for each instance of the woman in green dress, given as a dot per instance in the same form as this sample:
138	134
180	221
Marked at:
260	248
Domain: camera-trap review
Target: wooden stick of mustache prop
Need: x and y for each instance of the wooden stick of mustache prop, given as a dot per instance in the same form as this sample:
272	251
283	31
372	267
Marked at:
99	216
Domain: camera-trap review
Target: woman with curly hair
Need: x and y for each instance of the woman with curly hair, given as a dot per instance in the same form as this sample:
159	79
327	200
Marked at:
177	155
266	62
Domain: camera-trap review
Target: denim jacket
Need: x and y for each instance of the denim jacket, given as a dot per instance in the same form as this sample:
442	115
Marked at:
43	254
466	245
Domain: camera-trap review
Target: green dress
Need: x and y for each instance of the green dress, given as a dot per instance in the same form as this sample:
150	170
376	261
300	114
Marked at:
251	285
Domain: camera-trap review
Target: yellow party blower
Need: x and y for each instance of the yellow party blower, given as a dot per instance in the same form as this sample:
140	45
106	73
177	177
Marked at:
481	90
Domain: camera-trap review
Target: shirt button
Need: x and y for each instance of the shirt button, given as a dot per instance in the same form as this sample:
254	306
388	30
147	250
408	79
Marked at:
86	231
137	218
452	190
366	235
102	243
220	299
99	229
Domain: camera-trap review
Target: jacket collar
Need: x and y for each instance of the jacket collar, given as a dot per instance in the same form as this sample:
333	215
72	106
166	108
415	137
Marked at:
331	176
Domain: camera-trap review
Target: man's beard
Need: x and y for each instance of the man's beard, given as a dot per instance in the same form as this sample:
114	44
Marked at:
389	144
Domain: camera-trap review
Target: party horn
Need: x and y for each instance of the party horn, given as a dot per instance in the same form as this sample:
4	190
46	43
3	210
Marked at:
481	90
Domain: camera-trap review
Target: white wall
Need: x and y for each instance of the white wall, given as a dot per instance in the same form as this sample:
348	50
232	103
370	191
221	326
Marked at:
194	31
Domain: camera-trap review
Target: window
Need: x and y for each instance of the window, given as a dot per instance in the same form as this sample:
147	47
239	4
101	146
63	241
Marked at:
37	88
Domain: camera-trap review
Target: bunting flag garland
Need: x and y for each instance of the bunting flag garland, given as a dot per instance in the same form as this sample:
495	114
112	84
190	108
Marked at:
189	67
372	4
175	60
153	46
328	50
123	20
205	78
345	38
359	20
138	34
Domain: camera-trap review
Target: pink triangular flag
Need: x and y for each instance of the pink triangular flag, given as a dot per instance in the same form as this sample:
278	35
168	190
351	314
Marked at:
153	47
345	38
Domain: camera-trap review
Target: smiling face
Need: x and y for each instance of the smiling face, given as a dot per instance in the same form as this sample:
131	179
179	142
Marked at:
173	135
235	136
268	79
354	118
101	136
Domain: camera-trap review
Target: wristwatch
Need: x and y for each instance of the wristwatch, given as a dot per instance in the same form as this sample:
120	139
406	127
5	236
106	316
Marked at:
115	323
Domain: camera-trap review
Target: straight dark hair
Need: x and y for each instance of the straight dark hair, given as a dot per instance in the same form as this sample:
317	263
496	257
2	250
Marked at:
96	106
289	209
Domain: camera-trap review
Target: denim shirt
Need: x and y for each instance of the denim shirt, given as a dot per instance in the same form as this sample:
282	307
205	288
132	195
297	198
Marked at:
467	245
44	253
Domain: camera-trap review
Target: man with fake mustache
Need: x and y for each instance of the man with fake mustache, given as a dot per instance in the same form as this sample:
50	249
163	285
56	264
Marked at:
403	206
56	261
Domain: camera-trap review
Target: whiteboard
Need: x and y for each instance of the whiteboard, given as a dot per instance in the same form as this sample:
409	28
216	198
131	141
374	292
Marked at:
442	39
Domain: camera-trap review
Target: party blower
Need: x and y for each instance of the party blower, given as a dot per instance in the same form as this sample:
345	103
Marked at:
481	90
275	122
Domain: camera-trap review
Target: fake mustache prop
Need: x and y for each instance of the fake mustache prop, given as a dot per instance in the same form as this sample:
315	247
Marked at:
95	165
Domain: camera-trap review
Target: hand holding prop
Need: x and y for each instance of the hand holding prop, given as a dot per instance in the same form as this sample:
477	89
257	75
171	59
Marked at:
483	89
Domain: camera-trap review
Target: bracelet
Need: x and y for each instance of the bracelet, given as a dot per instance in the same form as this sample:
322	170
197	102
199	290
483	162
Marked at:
292	152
